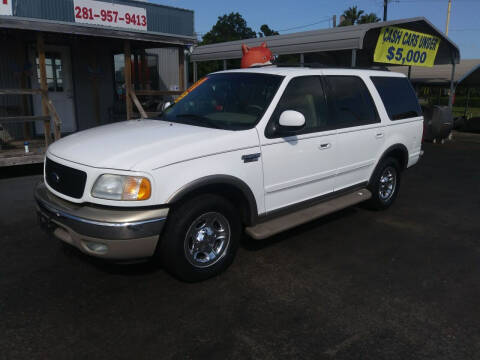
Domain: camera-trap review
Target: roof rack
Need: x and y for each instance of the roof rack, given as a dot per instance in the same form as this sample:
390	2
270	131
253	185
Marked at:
316	65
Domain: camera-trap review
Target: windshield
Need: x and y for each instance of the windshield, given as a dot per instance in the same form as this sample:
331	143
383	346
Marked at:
229	101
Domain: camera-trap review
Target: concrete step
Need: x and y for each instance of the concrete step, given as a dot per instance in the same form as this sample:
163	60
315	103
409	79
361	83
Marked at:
279	224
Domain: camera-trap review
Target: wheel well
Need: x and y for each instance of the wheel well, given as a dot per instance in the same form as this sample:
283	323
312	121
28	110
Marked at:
399	153
230	192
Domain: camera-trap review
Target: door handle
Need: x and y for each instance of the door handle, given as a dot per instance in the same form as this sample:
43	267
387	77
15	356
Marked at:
325	146
380	135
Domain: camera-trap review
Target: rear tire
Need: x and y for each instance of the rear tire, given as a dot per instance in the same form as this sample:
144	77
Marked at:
201	238
384	184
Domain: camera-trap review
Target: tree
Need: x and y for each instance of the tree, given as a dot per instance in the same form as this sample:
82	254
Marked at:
351	16
228	27
368	18
266	31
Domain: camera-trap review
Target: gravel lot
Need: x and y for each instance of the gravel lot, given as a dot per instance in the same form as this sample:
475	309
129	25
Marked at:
401	284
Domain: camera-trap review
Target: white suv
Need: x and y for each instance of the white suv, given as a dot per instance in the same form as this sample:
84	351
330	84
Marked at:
260	150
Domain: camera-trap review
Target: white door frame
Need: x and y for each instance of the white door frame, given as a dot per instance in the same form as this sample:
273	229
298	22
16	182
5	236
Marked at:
64	100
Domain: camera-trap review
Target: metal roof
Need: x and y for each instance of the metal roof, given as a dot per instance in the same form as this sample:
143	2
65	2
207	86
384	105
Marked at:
467	73
339	38
12	22
471	78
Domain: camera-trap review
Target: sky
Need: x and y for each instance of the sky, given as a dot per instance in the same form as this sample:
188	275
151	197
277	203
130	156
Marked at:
303	15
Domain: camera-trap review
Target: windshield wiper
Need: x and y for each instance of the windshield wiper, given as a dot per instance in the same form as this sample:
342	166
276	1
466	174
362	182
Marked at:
204	119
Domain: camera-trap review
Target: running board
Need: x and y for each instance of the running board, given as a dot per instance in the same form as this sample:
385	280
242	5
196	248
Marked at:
285	222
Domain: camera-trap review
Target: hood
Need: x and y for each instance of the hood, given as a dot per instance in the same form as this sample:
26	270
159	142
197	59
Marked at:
143	145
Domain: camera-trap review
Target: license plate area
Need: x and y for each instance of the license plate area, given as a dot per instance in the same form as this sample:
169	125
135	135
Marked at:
45	223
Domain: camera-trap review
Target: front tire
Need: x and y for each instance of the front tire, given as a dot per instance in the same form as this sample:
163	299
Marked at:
201	238
384	184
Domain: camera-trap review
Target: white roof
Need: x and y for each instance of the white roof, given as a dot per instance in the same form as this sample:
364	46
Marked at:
296	71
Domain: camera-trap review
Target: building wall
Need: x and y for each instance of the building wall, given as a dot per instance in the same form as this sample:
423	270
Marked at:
95	101
12	65
161	19
92	64
167	67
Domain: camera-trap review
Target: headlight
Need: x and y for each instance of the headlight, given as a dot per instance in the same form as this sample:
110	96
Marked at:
120	187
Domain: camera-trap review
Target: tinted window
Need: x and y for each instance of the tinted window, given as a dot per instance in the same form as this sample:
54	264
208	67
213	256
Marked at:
398	97
352	101
230	101
303	94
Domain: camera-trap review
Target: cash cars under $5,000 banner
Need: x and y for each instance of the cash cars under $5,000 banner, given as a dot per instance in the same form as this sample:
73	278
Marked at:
405	47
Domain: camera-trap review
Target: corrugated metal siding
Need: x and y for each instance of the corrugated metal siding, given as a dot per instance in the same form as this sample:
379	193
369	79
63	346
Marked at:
162	19
60	10
167	67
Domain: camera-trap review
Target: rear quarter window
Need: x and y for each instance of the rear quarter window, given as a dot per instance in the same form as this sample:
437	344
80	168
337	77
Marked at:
398	97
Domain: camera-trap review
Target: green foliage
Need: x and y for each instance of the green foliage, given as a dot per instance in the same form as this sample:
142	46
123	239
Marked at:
228	28
266	31
351	16
354	16
368	18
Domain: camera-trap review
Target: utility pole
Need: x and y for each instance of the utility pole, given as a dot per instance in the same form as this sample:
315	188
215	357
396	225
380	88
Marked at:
448	16
334	21
385	8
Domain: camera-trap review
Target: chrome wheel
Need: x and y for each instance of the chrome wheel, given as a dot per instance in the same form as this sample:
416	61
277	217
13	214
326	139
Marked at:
207	239
388	183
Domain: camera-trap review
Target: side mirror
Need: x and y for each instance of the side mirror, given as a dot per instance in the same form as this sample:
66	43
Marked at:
291	121
166	105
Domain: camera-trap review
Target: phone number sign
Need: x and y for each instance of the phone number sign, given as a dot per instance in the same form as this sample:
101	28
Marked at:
405	47
6	7
109	14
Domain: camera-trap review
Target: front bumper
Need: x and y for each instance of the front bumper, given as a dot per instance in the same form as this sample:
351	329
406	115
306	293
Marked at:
110	233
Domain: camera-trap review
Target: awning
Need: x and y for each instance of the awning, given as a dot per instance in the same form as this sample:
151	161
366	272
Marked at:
467	73
339	38
9	22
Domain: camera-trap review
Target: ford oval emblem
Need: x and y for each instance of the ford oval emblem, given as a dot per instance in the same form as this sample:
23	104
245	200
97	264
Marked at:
55	177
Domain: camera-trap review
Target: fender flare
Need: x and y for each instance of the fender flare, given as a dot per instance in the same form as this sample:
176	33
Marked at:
219	180
386	153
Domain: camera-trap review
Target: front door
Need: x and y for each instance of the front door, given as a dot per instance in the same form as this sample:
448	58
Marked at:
301	166
60	86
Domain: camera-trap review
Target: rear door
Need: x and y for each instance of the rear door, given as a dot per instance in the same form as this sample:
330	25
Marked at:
299	166
360	133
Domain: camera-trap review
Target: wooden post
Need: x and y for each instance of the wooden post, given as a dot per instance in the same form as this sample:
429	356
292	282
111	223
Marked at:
20	58
43	84
195	72
181	69
128	78
144	70
95	87
451	93
136	73
467	104
139	106
56	120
